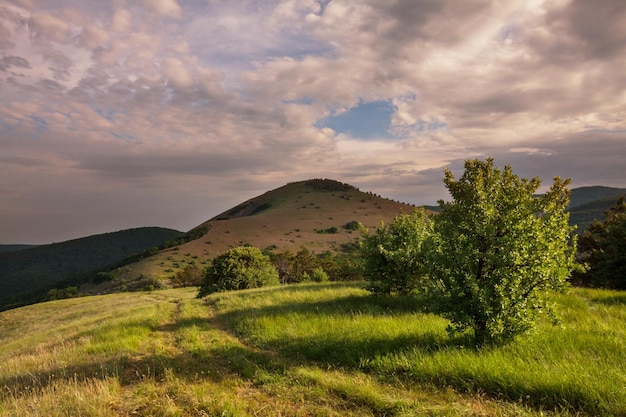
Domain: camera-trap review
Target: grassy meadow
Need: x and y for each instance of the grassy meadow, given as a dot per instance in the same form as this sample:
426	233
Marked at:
302	350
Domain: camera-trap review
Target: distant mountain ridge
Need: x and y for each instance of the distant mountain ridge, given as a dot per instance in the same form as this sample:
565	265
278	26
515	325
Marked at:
26	270
591	203
13	248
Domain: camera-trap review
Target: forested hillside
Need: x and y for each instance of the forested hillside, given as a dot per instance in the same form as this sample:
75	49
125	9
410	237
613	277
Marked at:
42	266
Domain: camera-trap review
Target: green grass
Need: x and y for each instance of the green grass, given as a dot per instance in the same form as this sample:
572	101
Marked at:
306	350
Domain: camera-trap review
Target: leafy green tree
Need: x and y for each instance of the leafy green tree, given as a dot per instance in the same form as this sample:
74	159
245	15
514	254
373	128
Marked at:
238	268
393	257
500	251
319	275
603	248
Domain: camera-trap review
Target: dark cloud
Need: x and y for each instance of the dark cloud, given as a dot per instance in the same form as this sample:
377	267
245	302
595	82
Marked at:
595	30
13	61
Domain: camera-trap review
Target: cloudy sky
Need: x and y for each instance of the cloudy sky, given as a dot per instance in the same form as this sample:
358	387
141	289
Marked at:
125	113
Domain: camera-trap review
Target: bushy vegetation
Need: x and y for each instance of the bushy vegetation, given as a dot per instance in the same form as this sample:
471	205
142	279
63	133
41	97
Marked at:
603	248
394	257
239	268
302	266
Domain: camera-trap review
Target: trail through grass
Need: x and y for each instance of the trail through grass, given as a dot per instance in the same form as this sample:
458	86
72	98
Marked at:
306	350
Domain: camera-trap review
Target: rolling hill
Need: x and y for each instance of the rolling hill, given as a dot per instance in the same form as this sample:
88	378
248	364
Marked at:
13	248
590	203
29	270
312	214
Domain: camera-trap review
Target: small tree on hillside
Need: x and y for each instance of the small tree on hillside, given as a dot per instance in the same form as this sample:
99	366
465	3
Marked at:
603	247
500	251
393	258
239	268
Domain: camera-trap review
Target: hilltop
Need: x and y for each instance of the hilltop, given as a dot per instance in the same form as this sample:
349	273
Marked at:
316	214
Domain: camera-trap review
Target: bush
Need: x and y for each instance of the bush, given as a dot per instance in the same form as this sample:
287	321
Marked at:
319	275
190	276
393	258
239	268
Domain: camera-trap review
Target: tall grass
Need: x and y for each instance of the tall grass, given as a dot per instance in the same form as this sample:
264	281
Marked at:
578	366
315	349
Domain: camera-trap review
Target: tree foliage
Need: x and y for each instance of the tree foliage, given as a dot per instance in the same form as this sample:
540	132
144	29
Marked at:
499	251
393	258
603	248
190	276
239	268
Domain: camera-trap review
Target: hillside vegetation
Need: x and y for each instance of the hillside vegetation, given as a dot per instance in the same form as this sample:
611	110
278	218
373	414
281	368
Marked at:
45	266
314	214
302	350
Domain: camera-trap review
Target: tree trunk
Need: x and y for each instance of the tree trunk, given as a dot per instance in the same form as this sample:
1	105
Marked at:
480	332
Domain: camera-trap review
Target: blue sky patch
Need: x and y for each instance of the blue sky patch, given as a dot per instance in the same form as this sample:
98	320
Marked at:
364	121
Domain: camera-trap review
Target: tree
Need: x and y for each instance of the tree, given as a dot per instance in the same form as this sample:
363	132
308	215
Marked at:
500	251
393	258
190	276
239	268
603	247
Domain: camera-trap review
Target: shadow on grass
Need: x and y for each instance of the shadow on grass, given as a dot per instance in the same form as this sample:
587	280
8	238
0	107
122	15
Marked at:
335	348
614	300
254	364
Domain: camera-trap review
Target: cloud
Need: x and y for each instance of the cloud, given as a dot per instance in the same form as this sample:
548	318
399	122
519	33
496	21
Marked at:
49	27
203	104
166	8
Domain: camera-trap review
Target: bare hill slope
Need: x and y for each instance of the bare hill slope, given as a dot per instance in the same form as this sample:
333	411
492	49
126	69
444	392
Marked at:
311	214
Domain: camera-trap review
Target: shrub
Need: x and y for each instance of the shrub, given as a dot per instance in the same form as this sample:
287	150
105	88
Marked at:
393	258
239	268
190	276
319	275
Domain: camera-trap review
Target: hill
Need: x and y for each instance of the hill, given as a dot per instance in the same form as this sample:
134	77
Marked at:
44	266
301	350
584	195
12	248
591	203
313	214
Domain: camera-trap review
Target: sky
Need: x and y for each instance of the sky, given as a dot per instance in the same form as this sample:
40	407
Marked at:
129	113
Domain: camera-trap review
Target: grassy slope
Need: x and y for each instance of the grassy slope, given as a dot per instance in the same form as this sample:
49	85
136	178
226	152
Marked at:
42	266
323	349
291	217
